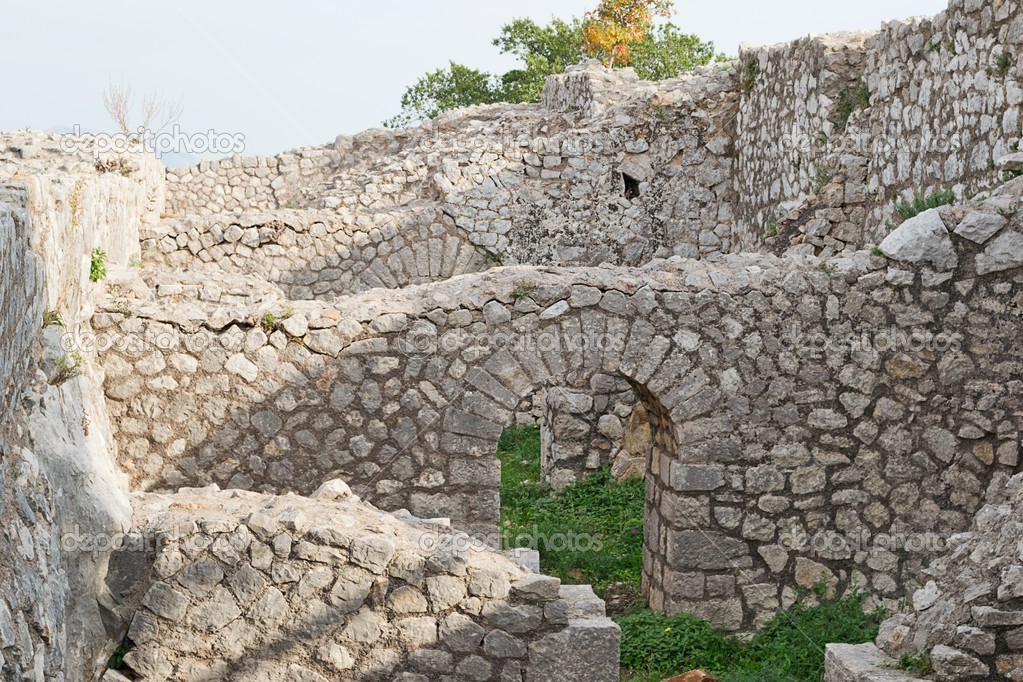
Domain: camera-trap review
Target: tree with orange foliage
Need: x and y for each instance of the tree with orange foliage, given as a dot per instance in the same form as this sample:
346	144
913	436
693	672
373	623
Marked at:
615	26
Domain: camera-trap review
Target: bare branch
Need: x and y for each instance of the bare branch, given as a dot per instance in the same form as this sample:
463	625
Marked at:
118	101
156	115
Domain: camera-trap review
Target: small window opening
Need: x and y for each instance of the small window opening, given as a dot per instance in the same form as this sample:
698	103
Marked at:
631	186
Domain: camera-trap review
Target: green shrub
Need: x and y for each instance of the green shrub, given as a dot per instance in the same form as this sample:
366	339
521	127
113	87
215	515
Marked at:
98	266
921	203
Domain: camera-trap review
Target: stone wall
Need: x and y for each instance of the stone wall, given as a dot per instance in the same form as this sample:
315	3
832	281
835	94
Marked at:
790	94
649	176
967	616
250	587
317	254
249	183
21	297
583	428
834	131
808	416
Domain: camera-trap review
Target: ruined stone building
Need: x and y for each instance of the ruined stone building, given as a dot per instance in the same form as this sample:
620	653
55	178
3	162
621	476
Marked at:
263	447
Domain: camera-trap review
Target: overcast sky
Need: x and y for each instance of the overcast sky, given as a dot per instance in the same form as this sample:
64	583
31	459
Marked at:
290	74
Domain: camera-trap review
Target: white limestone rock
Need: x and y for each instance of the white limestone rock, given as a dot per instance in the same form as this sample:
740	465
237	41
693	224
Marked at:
922	239
1004	253
980	227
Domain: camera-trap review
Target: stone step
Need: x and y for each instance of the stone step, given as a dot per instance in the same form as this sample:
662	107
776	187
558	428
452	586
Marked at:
588	649
860	663
529	559
582	602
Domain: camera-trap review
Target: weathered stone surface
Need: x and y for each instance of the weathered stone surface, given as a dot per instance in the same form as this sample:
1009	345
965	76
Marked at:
980	227
1002	253
922	239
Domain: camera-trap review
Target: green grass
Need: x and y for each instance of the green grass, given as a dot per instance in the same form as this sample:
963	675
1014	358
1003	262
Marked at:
921	203
591	533
789	648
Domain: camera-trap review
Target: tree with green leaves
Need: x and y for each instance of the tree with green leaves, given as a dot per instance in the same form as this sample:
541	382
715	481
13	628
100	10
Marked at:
663	52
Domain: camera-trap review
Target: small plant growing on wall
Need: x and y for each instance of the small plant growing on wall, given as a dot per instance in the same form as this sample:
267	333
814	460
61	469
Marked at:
921	203
523	290
493	258
852	99
271	322
98	266
771	230
68	367
820	180
915	662
51	318
748	71
1001	64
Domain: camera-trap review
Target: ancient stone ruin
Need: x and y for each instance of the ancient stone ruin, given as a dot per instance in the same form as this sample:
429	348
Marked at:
263	446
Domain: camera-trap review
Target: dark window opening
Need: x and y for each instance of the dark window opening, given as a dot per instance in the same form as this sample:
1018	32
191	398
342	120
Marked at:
631	186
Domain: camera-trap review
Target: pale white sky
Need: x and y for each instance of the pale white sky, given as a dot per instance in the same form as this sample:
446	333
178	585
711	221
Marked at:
296	73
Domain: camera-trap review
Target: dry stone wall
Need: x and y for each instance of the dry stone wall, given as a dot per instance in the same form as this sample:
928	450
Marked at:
808	416
316	254
967	616
649	176
834	413
584	428
834	131
249	183
254	587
